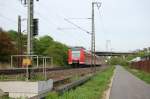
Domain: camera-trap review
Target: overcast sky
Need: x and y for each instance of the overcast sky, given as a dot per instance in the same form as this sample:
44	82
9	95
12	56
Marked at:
125	22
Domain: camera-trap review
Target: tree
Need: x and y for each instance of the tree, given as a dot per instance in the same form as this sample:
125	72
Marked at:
42	44
59	53
9	44
6	47
47	46
13	35
20	41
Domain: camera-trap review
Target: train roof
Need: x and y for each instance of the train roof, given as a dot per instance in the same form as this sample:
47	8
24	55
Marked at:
78	47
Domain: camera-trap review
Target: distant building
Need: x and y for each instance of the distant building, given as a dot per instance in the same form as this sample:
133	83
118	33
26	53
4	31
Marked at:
135	59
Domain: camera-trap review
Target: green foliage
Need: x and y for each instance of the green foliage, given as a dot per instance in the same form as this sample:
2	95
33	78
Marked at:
59	53
3	77
7	47
141	53
124	61
140	74
52	95
37	77
41	46
93	89
4	97
13	35
47	46
76	77
34	77
118	60
130	57
19	40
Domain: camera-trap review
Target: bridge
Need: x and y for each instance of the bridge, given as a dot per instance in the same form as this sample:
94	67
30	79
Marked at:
113	53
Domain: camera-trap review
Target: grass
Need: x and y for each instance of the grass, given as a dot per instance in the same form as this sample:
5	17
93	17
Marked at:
3	77
4	97
93	89
140	74
34	77
76	77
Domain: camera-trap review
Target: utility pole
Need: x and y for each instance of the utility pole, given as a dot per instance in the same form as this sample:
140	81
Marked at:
93	38
32	24
30	30
93	57
19	59
30	5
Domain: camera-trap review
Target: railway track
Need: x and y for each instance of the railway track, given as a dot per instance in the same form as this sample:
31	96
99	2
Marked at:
63	77
23	70
13	71
52	73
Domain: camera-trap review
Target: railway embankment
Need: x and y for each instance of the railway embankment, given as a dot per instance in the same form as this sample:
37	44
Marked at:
92	89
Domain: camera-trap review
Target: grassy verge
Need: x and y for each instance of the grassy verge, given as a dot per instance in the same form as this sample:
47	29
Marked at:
35	77
93	89
140	74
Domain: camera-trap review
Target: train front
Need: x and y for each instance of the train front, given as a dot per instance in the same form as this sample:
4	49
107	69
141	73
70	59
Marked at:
76	56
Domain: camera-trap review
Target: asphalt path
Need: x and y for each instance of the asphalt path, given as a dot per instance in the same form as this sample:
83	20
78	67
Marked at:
127	86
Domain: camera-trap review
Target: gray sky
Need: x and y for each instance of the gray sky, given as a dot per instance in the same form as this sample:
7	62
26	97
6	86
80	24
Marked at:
124	22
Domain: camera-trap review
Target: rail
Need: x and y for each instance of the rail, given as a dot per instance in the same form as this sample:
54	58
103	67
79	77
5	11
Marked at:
23	70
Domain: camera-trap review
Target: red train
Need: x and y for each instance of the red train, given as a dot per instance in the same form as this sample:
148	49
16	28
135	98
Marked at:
78	55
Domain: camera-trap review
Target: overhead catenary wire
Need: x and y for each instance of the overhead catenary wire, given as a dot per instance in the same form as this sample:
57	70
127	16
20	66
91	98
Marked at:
77	26
102	24
68	22
67	28
43	19
101	19
46	20
8	19
79	18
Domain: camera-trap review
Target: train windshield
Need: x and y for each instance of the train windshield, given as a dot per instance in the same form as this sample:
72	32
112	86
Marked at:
75	54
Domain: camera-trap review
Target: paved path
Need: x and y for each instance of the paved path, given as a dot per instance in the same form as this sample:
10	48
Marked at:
127	86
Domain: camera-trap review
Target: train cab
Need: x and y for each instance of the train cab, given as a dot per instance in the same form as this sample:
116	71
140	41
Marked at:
76	55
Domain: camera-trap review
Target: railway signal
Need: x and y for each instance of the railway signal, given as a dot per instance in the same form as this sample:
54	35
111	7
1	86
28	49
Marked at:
32	27
35	27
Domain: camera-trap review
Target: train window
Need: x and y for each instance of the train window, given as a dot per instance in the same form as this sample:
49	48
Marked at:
75	54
